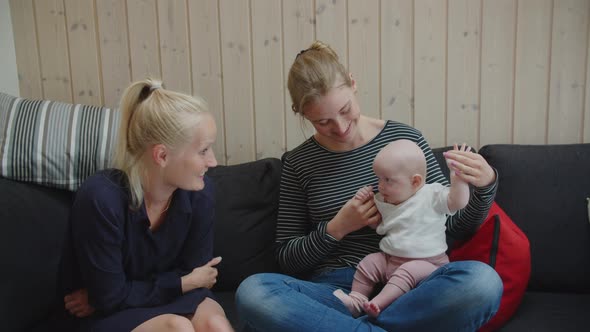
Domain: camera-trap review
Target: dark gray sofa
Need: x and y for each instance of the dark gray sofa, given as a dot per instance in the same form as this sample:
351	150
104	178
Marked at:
543	188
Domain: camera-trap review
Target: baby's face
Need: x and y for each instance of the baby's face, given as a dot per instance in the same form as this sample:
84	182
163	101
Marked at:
395	187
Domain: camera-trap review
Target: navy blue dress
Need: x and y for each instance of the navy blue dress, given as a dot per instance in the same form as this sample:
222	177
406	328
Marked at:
132	273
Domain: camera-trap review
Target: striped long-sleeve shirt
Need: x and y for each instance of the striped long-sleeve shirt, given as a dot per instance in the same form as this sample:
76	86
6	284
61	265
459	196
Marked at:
316	183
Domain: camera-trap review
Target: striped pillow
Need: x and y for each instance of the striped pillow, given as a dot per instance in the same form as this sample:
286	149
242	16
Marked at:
52	143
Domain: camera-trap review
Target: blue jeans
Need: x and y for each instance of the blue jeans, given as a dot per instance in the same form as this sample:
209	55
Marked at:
459	296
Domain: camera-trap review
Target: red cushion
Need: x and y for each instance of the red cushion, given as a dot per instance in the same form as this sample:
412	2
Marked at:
502	245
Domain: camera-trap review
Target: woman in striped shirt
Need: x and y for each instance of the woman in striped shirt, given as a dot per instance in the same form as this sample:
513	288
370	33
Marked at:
321	230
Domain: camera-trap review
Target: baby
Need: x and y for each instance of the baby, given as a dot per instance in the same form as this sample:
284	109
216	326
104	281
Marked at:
413	224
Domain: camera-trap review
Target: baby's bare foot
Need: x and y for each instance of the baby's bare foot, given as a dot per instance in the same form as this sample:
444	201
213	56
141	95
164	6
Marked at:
371	309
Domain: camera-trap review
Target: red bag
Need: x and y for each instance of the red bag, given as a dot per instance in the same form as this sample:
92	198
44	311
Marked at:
502	245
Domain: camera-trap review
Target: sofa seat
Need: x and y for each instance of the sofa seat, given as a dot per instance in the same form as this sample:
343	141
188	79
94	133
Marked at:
540	311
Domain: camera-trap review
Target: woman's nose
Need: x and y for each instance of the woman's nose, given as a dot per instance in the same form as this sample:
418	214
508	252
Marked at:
341	126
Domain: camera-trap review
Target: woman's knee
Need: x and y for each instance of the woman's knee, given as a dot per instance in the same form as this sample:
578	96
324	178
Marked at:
482	281
258	297
210	316
178	323
256	289
214	322
166	322
250	287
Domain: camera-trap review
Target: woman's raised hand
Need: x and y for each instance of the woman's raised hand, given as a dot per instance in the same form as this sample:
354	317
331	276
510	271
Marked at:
357	212
201	277
470	167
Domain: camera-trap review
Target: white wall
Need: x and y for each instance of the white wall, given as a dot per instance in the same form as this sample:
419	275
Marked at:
9	76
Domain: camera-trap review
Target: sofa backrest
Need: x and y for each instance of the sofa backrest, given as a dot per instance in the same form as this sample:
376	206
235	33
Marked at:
246	206
543	188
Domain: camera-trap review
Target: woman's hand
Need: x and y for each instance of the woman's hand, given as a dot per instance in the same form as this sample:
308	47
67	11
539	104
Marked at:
76	303
470	167
357	213
201	277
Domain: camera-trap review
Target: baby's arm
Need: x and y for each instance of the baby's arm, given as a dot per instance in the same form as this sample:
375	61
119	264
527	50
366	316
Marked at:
459	191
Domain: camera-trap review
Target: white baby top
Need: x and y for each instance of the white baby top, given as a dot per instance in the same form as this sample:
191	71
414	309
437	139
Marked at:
416	227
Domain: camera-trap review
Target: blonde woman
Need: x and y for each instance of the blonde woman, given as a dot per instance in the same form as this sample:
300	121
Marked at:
142	231
322	231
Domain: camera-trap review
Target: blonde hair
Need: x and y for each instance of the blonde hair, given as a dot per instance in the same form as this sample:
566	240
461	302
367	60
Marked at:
314	72
152	115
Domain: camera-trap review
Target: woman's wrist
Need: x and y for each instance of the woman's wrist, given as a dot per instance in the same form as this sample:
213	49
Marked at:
186	284
492	185
334	231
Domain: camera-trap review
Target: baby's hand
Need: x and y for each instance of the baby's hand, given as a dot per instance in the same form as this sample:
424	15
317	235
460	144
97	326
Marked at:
364	193
452	166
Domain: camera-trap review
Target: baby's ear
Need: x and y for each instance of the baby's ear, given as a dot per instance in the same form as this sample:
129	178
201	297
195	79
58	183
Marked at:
417	181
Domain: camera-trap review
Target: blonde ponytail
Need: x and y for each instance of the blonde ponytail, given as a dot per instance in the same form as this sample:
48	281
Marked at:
152	115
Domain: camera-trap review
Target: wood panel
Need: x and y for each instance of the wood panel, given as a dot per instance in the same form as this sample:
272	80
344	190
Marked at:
206	64
464	41
236	62
53	50
114	49
482	71
83	50
497	71
531	83
174	48
144	44
397	63
298	34
364	56
568	55
430	31
331	26
24	27
268	78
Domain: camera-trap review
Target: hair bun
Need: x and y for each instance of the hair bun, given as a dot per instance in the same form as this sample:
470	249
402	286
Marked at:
155	85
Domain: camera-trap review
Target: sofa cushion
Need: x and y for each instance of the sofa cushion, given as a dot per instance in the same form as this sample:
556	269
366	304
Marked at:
52	143
246	212
502	245
543	189
34	223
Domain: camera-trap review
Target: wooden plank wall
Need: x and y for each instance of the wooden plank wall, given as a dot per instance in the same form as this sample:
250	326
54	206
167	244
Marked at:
480	71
